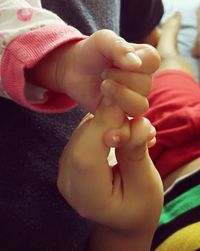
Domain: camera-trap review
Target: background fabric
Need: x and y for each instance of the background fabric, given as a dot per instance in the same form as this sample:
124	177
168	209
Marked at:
33	215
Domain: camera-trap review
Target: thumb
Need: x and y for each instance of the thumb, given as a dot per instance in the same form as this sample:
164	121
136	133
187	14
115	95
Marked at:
115	48
133	158
136	147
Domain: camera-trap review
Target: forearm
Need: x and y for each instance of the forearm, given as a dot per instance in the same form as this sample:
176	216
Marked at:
17	18
35	33
105	239
48	71
27	51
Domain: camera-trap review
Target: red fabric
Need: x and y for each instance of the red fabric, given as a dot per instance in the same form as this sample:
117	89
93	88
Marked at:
24	52
175	113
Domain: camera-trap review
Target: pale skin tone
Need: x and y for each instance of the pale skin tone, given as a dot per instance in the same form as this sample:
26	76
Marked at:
69	73
76	68
126	201
118	210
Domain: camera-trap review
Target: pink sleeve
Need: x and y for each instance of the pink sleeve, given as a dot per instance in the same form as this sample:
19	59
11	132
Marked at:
24	52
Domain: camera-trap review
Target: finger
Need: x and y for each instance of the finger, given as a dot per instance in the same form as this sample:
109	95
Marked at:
152	132
149	56
109	115
140	131
117	137
117	49
81	176
151	142
139	177
129	101
138	82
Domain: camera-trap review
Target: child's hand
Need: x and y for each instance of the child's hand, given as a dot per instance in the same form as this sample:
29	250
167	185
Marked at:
121	197
77	68
127	90
101	51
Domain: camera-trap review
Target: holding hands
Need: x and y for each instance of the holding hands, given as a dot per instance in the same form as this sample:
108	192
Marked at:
121	198
77	69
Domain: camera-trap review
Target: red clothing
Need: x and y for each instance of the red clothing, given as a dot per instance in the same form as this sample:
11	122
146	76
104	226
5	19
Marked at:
175	113
24	52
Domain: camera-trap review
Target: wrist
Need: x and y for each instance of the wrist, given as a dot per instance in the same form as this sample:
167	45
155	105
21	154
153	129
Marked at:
105	239
49	72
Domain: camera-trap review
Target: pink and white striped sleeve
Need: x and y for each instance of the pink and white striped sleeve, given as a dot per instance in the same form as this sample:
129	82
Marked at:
27	34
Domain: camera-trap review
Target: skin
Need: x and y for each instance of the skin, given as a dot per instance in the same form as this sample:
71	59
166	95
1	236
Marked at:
196	48
66	69
123	222
125	201
119	199
123	205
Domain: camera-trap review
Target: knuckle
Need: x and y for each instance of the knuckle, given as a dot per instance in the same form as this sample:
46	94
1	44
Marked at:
122	45
104	33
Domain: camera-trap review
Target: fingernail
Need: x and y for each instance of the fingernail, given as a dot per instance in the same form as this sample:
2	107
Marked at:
116	138
132	58
108	87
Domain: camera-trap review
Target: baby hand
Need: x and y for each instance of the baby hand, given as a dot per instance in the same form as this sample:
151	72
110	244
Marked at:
128	90
81	64
76	68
